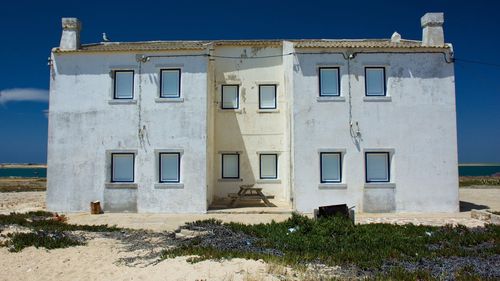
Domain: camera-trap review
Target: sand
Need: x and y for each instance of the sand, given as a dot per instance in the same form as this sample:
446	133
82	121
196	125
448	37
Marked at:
100	259
21	201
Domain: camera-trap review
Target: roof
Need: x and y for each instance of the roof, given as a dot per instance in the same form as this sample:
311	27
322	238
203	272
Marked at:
200	45
362	43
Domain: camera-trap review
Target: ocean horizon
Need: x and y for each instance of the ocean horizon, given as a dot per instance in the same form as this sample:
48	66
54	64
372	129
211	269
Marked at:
25	171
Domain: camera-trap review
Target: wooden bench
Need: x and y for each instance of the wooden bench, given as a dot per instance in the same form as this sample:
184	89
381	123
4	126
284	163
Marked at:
250	193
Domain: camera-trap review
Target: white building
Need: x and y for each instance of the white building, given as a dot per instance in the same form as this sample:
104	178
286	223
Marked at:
170	126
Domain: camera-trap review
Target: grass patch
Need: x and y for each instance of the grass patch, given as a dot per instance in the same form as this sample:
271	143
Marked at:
40	220
479	181
47	231
38	239
22	184
337	241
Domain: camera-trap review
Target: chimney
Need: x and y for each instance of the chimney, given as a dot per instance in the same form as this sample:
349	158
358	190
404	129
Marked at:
70	39
432	32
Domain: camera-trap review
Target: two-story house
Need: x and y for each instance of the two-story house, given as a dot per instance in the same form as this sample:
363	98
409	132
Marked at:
169	126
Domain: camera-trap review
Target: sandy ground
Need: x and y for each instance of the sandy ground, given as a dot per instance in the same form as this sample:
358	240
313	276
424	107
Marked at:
21	201
99	260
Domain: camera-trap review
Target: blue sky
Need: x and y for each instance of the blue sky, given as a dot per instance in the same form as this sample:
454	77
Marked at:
29	29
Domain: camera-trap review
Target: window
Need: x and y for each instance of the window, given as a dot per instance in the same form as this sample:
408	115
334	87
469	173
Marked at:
375	81
268	166
122	167
329	85
169	167
377	167
231	166
123	84
267	96
230	97
331	167
170	83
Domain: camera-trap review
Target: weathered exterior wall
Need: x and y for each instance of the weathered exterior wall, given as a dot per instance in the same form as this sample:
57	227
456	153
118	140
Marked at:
86	125
249	130
415	123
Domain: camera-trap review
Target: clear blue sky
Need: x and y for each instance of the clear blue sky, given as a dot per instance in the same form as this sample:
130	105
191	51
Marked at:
29	29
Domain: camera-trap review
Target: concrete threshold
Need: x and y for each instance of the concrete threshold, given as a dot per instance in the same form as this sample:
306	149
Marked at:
250	210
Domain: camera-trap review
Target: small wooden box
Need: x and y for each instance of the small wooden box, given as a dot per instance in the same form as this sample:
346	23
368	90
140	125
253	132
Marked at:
95	208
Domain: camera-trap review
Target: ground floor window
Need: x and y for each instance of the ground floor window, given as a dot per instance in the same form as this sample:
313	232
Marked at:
377	166
230	166
169	167
268	166
331	167
122	167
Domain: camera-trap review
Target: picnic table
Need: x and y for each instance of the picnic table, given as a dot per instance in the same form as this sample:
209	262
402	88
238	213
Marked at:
248	191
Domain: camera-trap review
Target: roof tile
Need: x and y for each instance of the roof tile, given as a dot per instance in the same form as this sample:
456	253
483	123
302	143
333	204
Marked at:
200	45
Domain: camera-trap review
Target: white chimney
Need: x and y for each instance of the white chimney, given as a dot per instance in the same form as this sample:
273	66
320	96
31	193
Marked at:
70	39
432	32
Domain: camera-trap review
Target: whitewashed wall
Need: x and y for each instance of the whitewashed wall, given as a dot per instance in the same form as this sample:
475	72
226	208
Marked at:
416	123
249	130
85	125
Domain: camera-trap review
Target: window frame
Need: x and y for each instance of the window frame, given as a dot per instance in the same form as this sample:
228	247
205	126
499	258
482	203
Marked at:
321	167
366	81
112	180
388	166
237	96
222	165
115	97
178	167
275	96
179	71
275	166
338	80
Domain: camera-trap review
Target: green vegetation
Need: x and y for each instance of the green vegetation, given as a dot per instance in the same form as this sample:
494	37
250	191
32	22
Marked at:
337	241
22	184
38	239
41	220
46	230
479	181
400	274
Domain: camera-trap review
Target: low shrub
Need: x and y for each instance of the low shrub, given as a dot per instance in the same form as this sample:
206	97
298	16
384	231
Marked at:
41	220
337	241
48	240
49	230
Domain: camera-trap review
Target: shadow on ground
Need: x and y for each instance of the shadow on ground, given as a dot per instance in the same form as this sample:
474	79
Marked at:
468	206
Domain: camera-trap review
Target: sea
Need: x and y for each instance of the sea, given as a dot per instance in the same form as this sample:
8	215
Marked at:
23	172
463	170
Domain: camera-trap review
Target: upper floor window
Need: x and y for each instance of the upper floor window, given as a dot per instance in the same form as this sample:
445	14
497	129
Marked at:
375	81
230	97
329	85
170	167
123	84
331	167
122	167
267	96
377	166
170	83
